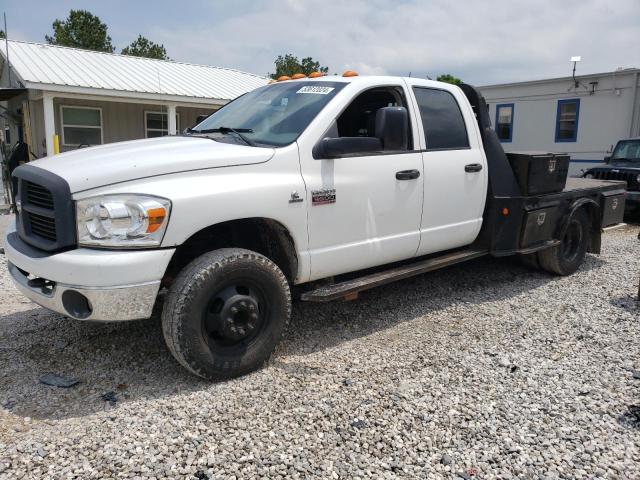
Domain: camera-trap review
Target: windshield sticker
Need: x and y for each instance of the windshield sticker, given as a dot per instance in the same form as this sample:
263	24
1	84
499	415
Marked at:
316	90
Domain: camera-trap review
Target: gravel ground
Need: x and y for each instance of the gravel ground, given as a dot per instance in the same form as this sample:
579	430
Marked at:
483	370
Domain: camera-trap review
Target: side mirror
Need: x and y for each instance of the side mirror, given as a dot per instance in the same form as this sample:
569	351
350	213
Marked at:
607	159
341	146
392	127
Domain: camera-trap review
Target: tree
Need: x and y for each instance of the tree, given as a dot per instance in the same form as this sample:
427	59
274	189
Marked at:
448	78
81	29
2	34
143	47
290	65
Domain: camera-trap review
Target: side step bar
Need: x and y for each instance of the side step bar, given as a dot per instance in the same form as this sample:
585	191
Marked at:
349	289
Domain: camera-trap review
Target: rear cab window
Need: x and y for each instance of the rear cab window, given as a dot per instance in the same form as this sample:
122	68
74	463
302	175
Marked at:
442	120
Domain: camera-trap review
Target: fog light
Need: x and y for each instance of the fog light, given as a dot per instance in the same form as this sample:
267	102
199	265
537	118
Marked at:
76	304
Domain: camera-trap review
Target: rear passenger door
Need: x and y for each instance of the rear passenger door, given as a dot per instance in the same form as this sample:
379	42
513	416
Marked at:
455	169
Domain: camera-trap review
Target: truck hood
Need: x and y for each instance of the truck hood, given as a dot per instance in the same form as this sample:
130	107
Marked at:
93	167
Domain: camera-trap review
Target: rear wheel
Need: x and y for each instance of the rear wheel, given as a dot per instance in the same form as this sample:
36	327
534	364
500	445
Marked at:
225	313
566	258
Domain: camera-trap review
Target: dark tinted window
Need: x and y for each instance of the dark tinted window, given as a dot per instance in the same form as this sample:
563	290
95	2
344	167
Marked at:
442	119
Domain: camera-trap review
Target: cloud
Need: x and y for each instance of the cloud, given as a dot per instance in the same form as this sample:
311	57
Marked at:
481	42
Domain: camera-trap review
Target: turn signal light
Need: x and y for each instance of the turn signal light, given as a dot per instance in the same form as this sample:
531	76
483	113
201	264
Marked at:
156	218
505	212
298	75
283	78
350	73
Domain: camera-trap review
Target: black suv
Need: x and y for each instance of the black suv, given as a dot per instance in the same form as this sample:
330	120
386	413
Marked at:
623	164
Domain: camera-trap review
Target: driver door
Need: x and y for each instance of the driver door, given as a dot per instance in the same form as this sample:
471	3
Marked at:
364	208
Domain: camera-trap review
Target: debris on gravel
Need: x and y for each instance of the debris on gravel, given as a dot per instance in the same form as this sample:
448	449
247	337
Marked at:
54	380
375	388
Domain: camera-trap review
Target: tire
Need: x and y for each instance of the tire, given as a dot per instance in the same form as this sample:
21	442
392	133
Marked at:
225	313
566	258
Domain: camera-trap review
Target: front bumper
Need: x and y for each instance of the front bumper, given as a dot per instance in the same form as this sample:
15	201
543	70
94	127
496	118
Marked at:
88	284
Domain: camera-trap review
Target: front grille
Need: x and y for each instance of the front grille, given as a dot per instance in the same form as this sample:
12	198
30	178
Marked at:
46	212
39	196
42	226
629	177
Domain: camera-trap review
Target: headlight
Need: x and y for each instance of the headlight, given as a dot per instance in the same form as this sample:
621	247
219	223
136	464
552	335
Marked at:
588	175
124	221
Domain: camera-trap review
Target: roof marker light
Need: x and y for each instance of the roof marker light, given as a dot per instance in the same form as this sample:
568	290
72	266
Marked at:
283	78
315	75
298	75
350	73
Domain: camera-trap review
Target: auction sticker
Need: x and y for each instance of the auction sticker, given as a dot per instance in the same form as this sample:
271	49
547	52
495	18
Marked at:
317	90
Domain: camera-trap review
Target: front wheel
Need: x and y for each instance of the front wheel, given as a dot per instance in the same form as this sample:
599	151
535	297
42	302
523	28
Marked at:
226	312
566	258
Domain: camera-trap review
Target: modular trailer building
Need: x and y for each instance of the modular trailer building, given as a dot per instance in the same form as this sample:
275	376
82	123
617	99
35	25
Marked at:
583	116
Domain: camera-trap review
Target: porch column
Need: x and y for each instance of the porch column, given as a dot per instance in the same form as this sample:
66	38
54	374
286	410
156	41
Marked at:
49	121
172	119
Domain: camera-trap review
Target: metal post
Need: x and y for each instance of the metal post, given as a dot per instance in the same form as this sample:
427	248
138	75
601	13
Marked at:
49	122
171	115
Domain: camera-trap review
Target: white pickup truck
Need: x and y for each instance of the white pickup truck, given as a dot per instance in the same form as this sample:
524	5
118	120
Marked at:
330	185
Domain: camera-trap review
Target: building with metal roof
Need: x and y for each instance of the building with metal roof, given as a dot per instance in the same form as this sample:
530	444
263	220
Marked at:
80	97
583	115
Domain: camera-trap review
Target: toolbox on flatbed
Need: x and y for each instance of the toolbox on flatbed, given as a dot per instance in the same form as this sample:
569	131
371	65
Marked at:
539	172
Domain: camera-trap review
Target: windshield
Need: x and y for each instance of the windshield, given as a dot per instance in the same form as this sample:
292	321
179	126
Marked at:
627	150
273	115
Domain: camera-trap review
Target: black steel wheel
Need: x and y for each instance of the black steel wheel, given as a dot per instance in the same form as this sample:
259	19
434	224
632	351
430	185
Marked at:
225	313
566	258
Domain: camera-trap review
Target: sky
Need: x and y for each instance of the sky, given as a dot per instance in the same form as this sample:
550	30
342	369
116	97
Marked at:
482	42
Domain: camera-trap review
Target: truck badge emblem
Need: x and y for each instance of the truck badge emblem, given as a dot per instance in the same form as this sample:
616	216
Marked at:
295	197
541	218
323	197
552	165
614	204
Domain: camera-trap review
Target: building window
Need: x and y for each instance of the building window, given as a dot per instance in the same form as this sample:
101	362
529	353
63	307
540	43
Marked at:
504	122
156	124
442	120
567	120
81	126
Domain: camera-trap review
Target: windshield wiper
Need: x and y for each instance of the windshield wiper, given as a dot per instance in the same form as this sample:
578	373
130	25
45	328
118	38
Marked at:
238	132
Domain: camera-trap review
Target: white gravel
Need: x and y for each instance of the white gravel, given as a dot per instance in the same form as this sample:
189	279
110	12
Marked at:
483	370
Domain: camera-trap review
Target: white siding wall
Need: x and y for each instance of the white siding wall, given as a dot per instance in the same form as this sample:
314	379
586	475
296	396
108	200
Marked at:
605	116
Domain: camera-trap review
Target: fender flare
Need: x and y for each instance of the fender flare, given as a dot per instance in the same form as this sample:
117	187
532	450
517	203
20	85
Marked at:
595	213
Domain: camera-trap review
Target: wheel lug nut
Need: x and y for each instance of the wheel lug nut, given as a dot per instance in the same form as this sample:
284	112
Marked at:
254	316
252	307
241	331
234	310
229	320
250	326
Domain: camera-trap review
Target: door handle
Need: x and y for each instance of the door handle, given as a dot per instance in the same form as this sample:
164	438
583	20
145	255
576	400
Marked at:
473	167
407	174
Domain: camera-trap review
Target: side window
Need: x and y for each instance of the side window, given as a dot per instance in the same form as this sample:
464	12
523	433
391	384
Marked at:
567	120
359	118
442	120
504	122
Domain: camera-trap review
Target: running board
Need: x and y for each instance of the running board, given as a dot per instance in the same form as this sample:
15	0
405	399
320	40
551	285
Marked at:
349	289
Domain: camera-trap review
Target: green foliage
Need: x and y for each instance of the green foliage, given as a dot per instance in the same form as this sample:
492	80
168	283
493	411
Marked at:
2	34
143	47
81	29
290	65
448	78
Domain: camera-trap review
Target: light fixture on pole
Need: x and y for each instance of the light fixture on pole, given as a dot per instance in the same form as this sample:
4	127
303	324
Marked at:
575	60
